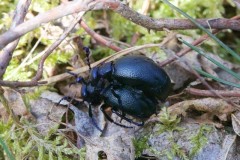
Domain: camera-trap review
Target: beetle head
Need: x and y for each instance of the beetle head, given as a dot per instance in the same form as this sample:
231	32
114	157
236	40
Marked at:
91	93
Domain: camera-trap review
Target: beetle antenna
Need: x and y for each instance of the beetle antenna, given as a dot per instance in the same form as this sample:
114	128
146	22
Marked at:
79	79
88	52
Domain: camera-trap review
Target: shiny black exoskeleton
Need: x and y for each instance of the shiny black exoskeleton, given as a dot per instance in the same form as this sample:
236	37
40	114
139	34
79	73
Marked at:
130	85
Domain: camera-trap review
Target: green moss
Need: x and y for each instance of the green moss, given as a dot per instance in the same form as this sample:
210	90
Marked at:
176	151
169	123
25	142
140	144
199	140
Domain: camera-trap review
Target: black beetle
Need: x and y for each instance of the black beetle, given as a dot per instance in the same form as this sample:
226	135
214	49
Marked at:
130	85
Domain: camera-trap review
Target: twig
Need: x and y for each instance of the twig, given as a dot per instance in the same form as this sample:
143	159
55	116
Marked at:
18	18
98	37
15	84
207	93
55	45
116	41
174	24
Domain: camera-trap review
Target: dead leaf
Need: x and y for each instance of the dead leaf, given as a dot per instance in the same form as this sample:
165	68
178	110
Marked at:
15	102
217	107
73	91
206	118
47	114
226	146
83	123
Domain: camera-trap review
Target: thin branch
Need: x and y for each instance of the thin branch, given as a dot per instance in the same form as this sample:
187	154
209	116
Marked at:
174	24
55	45
15	84
98	37
207	93
18	18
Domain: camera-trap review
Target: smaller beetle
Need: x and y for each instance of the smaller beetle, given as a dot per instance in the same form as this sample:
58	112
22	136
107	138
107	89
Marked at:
122	99
130	101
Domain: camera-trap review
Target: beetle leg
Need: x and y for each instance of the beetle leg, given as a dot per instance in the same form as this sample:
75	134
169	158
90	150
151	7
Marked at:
127	119
111	120
71	100
123	115
79	79
67	98
118	97
76	103
91	117
119	102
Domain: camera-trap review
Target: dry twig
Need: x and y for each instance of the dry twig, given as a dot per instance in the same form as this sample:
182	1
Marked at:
18	18
98	37
207	93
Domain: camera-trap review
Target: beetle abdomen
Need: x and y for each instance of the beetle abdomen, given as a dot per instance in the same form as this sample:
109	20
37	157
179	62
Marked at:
142	73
